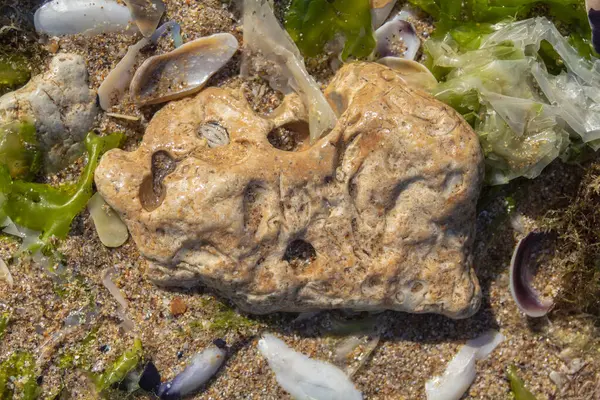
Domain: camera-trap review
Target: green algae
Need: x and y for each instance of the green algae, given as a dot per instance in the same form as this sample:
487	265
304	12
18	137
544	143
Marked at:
18	378
14	71
4	321
222	319
20	150
79	355
517	386
314	23
117	372
577	247
50	210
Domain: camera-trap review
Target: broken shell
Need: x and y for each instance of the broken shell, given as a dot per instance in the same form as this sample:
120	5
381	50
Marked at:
390	37
68	17
304	377
526	297
172	27
111	230
593	10
182	71
146	14
5	274
380	10
413	73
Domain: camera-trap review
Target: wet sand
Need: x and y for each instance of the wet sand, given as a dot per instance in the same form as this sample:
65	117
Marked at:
412	349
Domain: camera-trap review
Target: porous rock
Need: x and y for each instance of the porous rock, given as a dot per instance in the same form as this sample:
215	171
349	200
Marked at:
378	214
61	105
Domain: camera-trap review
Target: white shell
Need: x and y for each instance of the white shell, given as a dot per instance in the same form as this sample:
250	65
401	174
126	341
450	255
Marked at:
111	230
146	14
182	71
460	372
5	274
303	377
113	86
90	17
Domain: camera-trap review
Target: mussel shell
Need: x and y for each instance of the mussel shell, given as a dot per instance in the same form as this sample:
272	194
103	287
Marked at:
523	293
182	71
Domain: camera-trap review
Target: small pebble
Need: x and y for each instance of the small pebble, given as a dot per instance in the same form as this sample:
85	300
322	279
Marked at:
178	306
53	47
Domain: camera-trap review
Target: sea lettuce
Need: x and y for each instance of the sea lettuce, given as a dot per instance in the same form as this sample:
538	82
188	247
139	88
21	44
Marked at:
314	23
47	209
523	115
14	72
468	21
19	149
517	386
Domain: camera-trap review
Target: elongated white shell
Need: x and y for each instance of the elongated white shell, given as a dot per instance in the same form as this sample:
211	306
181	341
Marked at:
203	366
113	86
111	230
303	377
182	71
90	17
460	372
263	34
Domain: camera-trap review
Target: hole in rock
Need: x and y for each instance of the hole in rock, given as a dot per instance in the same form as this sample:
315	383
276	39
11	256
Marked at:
294	136
152	190
299	253
215	134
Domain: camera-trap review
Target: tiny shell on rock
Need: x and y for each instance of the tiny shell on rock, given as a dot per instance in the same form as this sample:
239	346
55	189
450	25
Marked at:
182	71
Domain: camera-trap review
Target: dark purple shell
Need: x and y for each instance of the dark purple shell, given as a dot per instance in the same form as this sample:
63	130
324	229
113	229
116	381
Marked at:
594	18
526	297
150	378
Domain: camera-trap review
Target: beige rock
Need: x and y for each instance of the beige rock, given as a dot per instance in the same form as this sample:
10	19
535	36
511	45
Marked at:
378	214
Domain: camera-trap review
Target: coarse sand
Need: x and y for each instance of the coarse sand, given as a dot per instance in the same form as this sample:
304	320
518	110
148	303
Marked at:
413	348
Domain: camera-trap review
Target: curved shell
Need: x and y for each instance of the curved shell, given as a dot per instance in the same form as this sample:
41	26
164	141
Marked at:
397	38
182	71
412	72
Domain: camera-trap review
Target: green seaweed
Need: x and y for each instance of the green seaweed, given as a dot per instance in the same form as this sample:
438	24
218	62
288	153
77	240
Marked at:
517	386
223	319
20	150
14	71
577	255
80	355
117	372
18	378
314	23
4	321
47	209
468	21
